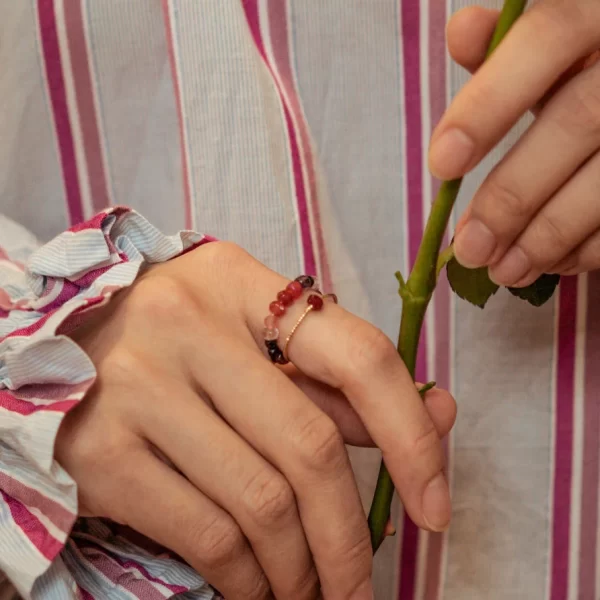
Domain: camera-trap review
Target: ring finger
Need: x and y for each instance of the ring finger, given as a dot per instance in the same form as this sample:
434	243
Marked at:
224	467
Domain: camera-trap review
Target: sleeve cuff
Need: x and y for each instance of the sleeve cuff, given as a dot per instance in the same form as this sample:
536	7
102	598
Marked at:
43	374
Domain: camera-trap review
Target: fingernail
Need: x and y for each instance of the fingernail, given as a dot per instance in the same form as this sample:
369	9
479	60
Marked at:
451	154
364	591
513	267
474	244
436	503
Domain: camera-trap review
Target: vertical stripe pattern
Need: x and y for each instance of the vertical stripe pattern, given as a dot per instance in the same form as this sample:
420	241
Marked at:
169	16
315	261
589	523
436	73
86	102
60	109
563	438
410	35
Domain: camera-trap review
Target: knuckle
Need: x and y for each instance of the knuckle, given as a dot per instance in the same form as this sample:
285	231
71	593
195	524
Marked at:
550	239
305	586
258	589
356	557
580	115
370	349
319	444
123	367
217	544
161	298
504	200
269	499
225	256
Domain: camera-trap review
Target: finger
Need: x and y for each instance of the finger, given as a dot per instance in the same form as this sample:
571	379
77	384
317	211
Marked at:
564	136
541	46
154	500
568	219
439	404
232	474
277	419
442	409
347	353
583	259
468	35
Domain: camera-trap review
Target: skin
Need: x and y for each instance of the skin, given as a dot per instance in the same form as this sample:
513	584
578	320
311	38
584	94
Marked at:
538	211
191	437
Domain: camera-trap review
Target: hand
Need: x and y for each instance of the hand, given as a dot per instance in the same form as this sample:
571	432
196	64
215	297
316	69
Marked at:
539	210
193	438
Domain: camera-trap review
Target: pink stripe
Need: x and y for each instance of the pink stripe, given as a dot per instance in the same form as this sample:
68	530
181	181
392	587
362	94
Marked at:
409	35
57	514
29	330
121	578
31	526
441	299
51	391
22	407
563	450
591	445
187	192
278	23
310	265
84	90
90	548
60	108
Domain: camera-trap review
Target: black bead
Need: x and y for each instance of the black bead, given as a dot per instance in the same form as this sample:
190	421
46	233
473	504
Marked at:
275	354
306	281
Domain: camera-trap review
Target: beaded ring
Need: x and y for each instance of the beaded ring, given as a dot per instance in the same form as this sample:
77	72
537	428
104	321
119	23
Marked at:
278	308
314	303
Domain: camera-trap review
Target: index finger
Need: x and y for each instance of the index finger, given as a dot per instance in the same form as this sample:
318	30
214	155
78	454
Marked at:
540	47
347	353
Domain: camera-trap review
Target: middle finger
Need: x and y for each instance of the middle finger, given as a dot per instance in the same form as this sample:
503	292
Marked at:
277	419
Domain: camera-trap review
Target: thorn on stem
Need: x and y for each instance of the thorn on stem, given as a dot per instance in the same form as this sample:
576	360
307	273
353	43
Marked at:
428	386
389	529
400	279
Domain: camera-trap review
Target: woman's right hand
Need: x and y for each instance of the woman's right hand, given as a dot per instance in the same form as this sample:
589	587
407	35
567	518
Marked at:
191	437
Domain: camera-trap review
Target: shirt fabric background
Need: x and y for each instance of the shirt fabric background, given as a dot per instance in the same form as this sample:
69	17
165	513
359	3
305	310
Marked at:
299	130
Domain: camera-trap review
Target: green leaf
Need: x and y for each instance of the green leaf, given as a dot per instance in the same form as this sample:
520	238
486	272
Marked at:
539	292
472	285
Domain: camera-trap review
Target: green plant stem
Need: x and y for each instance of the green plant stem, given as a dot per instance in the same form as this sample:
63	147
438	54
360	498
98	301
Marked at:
418	290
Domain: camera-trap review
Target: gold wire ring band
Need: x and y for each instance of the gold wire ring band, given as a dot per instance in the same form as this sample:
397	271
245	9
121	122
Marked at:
299	322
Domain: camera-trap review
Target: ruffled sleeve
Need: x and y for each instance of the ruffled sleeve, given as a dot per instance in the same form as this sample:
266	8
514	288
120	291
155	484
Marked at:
44	550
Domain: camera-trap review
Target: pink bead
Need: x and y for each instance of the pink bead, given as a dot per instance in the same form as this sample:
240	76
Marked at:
270	322
295	289
277	308
285	298
271	334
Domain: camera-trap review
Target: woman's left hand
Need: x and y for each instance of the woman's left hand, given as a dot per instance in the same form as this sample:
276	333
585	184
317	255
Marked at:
538	211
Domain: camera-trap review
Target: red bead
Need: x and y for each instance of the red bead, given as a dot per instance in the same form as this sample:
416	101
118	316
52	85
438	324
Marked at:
315	301
285	298
277	308
295	289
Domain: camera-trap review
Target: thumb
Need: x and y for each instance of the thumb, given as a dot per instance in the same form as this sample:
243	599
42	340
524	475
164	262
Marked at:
468	35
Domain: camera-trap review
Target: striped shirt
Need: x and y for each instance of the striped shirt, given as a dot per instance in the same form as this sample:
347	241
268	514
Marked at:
297	129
